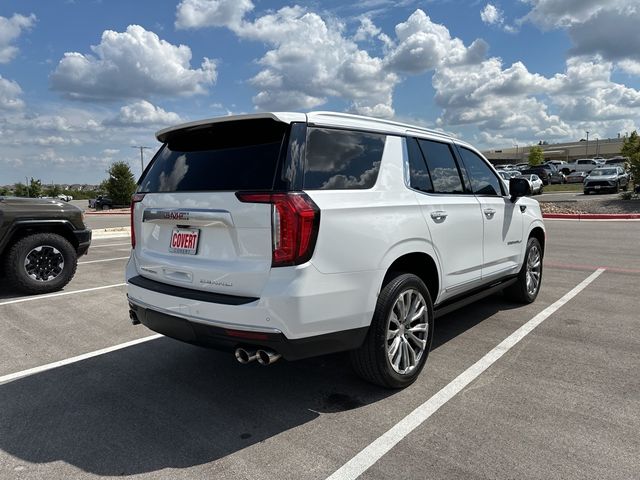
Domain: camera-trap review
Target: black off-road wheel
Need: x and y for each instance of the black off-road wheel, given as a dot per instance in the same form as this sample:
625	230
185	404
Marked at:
526	288
40	263
399	338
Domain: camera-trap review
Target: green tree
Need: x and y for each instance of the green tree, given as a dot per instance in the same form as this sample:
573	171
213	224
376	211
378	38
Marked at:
120	185
21	190
35	188
52	190
4	191
631	149
536	156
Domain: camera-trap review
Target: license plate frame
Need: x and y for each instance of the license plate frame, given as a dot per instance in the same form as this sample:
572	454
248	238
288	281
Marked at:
184	241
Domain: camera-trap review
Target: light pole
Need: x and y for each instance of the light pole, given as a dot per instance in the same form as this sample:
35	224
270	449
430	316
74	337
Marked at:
586	148
142	149
517	152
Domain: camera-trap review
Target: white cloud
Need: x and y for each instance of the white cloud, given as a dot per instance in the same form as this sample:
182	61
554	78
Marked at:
491	15
211	13
613	34
564	13
366	31
630	66
303	75
143	113
422	45
131	64
10	93
10	30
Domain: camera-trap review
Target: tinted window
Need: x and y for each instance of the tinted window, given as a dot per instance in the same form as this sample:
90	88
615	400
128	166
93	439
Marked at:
340	159
442	166
240	155
483	180
418	174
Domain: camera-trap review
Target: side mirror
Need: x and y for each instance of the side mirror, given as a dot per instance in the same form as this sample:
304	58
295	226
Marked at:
519	187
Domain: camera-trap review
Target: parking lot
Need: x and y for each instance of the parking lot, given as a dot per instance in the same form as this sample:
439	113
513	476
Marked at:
563	401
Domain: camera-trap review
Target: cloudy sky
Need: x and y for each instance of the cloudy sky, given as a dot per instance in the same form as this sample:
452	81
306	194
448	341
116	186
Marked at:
82	81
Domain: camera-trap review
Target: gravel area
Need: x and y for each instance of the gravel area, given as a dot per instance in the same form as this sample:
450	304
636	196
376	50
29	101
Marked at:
595	205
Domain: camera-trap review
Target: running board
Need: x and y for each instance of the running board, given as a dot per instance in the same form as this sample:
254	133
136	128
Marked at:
475	295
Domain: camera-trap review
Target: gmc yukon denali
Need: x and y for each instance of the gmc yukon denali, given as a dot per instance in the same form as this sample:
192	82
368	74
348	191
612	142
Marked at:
292	235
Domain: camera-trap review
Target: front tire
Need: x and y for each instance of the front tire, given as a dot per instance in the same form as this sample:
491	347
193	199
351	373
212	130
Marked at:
527	286
399	338
41	263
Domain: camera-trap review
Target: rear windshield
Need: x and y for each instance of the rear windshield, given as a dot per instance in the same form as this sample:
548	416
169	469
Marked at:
240	155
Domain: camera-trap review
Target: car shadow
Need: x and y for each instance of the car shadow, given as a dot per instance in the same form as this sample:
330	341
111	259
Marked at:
456	323
164	404
8	291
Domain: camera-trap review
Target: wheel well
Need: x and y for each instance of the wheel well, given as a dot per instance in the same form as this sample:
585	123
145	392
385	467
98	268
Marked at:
26	230
419	264
539	234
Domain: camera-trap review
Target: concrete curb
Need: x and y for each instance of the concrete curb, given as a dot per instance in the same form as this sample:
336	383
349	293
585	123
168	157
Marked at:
593	216
113	232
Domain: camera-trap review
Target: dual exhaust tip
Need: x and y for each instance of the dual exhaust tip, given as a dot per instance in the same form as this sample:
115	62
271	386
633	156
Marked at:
263	356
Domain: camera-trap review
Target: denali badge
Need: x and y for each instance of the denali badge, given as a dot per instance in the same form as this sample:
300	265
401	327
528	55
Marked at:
216	283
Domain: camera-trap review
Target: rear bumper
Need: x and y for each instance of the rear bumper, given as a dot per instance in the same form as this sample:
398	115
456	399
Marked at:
84	240
229	339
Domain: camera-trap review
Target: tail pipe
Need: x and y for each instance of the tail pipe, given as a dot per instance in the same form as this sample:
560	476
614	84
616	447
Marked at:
267	357
245	356
133	316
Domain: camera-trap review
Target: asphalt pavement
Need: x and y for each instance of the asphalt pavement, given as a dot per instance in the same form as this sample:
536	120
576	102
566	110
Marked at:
562	403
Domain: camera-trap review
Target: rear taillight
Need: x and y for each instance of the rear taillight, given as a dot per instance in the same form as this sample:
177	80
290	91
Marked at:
295	220
135	198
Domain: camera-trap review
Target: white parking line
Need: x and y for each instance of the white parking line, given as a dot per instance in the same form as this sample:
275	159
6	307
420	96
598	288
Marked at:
59	294
103	260
379	447
49	366
110	245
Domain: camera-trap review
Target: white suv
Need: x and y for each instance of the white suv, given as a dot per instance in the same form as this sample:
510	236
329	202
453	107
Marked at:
294	235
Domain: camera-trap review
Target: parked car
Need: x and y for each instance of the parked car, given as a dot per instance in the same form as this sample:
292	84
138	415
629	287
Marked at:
536	183
66	198
548	173
351	233
576	177
560	165
582	165
617	162
40	242
606	178
101	203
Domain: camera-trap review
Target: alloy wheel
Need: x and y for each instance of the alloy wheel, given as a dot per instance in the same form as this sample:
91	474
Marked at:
407	331
534	270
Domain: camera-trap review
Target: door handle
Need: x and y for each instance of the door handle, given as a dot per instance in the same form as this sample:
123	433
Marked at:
439	215
489	213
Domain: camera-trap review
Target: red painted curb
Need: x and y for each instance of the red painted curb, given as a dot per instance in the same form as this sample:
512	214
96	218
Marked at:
594	216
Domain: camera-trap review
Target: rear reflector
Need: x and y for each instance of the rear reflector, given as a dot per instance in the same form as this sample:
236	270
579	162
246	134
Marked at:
295	220
247	335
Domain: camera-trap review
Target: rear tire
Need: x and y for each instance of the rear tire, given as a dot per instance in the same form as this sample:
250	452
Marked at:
527	286
399	338
41	263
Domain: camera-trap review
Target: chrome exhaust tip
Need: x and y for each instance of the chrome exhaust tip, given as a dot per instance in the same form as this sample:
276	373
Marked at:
267	357
245	356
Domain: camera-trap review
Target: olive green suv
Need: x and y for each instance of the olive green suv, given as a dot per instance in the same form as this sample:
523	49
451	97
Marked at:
40	242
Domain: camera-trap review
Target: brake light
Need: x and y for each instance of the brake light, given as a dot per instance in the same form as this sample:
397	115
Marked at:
135	198
295	220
